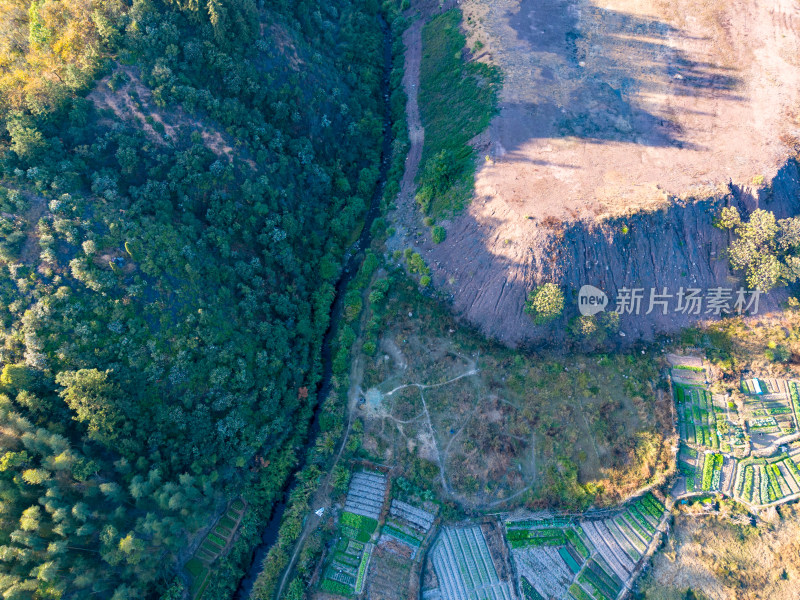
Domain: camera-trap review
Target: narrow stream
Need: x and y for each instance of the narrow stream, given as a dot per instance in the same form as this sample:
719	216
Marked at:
353	258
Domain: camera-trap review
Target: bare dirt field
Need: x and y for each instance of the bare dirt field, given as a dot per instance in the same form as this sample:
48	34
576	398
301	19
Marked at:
623	128
609	107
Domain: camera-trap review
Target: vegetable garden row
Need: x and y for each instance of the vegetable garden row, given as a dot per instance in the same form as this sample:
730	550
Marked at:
464	567
587	558
763	481
697	416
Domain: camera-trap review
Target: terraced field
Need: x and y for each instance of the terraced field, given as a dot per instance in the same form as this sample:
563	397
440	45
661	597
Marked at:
708	433
346	567
213	548
465	569
583	557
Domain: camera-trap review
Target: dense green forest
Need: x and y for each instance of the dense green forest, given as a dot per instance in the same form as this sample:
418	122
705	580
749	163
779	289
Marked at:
178	182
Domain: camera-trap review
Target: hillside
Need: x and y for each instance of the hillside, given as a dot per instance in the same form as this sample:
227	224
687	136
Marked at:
620	132
178	184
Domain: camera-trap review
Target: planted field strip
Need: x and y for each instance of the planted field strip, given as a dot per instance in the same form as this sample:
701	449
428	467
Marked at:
629	533
738	486
791	474
712	472
759	486
579	593
749	483
774	491
362	569
464	568
622	540
399	535
521	538
634	523
534	523
545	569
599	580
778	474
528	591
578	542
620	550
726	484
610	555
698	471
366	494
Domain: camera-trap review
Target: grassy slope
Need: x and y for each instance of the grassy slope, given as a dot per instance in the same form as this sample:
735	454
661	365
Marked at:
717	558
595	419
457	100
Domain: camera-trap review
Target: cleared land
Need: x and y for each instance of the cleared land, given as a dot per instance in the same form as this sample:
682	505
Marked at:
611	110
608	107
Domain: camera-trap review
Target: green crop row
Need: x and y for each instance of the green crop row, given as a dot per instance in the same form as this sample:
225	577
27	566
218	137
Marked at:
579	593
576	541
360	522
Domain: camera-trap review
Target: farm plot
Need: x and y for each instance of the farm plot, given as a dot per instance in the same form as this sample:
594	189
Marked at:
697	416
771	409
587	558
712	472
794	395
346	567
766	481
406	525
366	494
464	568
201	565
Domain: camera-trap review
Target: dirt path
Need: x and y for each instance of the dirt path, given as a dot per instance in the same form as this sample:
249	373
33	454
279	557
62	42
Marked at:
322	498
425	386
405	217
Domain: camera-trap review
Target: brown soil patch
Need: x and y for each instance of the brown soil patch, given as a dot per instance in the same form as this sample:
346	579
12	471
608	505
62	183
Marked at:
614	110
609	108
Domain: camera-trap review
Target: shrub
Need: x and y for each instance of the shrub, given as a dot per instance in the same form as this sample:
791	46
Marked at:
438	234
545	303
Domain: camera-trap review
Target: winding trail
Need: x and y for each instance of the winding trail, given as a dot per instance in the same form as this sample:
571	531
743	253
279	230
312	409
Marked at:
424	386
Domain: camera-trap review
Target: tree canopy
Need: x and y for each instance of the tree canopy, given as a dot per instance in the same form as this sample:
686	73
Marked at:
764	248
178	183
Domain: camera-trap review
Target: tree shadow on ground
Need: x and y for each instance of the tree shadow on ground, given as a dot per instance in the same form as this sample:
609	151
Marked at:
593	73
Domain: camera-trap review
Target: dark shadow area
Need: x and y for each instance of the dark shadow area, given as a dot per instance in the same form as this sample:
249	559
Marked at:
590	69
674	247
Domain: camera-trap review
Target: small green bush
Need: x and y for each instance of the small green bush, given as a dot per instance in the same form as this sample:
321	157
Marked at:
545	303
